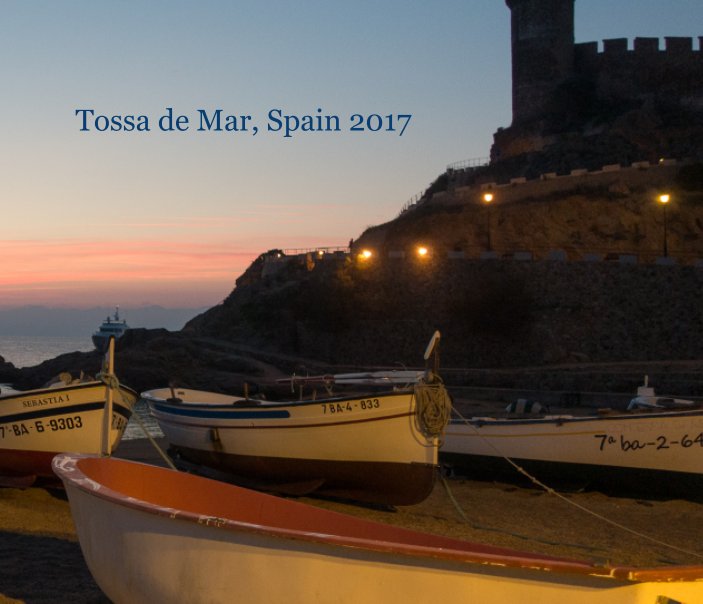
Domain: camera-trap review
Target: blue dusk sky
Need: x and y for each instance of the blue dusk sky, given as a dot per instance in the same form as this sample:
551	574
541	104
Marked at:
173	217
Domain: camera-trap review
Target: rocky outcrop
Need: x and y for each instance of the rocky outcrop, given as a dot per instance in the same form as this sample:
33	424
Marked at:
540	325
8	372
157	358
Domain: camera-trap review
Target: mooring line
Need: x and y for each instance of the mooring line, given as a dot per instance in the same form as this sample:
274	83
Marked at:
159	450
551	491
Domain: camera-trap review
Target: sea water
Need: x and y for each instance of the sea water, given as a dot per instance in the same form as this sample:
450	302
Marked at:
28	351
140	422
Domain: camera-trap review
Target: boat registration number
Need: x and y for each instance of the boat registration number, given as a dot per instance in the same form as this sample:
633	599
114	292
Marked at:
660	442
363	405
39	426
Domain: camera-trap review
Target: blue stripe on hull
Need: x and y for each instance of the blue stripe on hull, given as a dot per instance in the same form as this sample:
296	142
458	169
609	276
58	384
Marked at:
54	411
206	413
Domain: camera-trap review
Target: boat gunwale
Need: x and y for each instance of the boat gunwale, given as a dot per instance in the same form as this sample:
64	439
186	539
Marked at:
55	389
279	414
67	468
489	421
262	404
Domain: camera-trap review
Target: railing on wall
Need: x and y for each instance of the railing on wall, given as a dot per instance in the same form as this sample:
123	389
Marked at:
479	253
468	164
411	203
316	250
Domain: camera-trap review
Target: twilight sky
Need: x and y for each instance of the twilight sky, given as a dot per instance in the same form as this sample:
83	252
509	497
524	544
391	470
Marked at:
173	217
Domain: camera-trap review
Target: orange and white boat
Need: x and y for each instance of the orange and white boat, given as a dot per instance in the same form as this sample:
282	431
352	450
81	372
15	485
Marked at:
150	534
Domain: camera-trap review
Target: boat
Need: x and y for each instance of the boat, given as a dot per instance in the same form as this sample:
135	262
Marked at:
110	327
655	446
377	447
647	399
151	534
66	415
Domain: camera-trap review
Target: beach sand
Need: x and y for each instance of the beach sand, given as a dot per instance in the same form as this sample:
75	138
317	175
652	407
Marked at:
41	561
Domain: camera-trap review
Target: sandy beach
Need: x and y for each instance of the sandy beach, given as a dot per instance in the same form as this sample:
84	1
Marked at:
41	561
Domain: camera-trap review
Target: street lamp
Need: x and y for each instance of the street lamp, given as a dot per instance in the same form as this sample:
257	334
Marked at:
422	251
664	200
487	199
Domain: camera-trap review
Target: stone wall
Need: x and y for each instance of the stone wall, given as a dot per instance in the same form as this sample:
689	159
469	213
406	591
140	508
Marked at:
518	314
643	175
503	313
670	75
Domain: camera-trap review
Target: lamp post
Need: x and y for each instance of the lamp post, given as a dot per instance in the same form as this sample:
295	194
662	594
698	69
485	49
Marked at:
487	199
664	200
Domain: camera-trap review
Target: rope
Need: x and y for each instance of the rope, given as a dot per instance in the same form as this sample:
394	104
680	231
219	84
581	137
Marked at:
159	450
480	527
434	408
109	379
584	509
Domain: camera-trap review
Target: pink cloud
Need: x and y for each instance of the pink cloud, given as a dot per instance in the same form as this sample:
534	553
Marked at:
89	272
171	272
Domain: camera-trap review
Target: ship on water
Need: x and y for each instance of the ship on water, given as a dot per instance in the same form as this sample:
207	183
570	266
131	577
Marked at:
111	326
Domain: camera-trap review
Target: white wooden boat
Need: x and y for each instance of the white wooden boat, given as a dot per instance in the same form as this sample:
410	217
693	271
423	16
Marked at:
380	447
69	415
648	448
155	535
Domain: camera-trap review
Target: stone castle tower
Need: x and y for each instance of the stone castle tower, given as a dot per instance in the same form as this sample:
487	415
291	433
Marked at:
574	103
542	39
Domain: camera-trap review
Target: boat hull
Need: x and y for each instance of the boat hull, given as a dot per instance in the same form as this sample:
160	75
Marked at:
393	483
617	450
368	449
174	537
35	425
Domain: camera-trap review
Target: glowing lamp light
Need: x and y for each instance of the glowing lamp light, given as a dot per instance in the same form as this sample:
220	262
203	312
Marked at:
422	251
664	199
365	254
487	199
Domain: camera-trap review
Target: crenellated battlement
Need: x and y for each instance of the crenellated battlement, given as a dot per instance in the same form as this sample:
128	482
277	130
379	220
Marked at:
663	48
651	69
